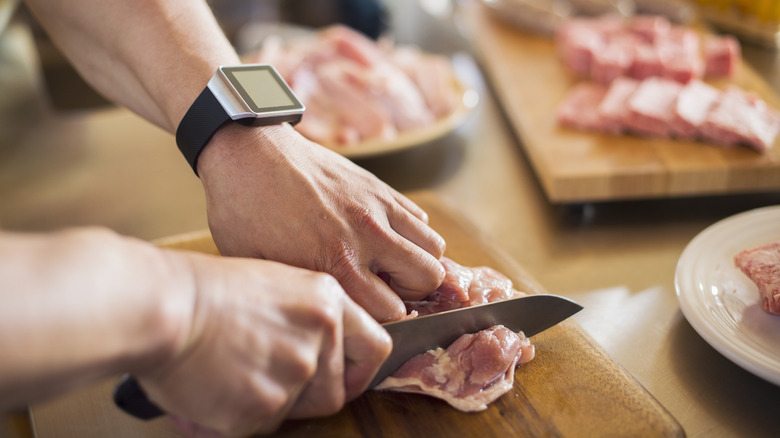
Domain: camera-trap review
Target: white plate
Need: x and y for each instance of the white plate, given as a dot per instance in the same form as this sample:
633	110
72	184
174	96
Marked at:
721	303
251	36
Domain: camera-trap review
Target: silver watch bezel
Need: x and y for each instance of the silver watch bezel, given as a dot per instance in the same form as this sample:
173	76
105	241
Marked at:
234	104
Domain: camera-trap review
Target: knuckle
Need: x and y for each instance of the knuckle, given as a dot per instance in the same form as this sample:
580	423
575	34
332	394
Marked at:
343	261
364	218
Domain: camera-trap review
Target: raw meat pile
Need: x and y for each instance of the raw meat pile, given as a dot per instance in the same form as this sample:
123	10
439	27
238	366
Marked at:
645	78
762	266
659	107
356	90
477	368
609	47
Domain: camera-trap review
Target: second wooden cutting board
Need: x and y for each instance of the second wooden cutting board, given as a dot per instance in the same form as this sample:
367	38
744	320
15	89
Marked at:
571	388
530	82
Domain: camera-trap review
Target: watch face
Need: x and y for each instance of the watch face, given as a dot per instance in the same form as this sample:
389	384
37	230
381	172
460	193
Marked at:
261	87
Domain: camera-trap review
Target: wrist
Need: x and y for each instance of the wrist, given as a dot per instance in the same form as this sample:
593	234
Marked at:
164	319
252	94
234	146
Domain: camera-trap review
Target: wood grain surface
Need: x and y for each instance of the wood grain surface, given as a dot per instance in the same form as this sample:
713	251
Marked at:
571	388
530	82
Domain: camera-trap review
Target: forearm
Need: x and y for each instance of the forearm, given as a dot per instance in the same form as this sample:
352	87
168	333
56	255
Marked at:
79	306
152	56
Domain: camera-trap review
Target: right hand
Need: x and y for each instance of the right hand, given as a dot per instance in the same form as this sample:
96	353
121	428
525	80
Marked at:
273	194
266	342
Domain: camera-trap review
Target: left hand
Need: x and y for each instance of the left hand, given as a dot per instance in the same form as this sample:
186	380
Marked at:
273	194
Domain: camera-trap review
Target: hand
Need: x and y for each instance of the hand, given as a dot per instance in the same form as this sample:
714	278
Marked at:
266	342
272	194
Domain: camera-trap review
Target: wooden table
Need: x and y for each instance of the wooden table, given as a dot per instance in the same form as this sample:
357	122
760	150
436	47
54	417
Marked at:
108	167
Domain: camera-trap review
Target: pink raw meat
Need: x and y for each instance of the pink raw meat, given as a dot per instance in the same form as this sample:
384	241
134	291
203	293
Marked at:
580	109
680	54
614	109
603	48
649	27
647	62
721	55
357	90
762	266
741	118
464	287
651	107
470	374
577	41
614	60
693	105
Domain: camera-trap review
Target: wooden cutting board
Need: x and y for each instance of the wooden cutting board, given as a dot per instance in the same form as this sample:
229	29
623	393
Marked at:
530	82
571	388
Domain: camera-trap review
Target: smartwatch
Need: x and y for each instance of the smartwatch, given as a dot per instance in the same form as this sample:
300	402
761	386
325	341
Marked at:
249	94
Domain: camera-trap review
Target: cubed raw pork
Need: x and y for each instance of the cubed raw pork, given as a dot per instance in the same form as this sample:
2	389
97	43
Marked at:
741	118
580	109
604	48
613	60
614	109
576	47
681	55
649	27
721	55
762	266
693	104
647	62
651	107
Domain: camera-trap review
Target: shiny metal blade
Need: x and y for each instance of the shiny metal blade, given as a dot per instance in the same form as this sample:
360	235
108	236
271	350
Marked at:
531	314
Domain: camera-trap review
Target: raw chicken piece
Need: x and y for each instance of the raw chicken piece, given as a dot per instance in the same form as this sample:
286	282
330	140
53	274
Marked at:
356	90
432	75
464	287
477	368
470	374
354	105
762	266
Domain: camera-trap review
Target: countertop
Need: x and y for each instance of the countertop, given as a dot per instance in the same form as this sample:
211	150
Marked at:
106	166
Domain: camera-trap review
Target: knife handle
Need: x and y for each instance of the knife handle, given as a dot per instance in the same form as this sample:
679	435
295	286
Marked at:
131	398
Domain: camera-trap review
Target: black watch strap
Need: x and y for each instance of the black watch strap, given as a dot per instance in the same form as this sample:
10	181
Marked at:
200	122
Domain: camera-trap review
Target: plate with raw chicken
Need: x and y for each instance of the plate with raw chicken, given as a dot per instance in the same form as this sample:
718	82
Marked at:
363	97
730	309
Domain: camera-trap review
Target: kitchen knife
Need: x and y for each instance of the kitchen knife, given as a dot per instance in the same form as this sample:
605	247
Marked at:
530	314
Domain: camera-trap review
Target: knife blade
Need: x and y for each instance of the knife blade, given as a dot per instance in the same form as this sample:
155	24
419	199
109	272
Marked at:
531	314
